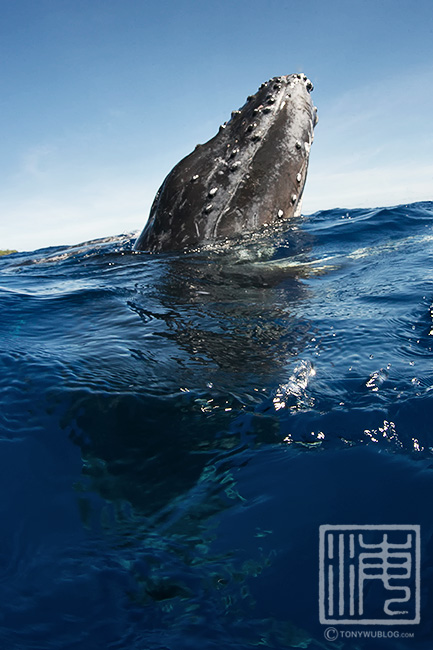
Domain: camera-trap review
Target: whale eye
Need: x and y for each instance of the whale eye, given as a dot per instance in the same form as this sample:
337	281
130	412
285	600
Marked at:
309	86
298	177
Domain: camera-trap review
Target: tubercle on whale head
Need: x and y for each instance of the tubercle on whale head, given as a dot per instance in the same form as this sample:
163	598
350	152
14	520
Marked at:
265	100
250	174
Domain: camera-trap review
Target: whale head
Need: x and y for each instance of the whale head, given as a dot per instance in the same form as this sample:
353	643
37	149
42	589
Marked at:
250	174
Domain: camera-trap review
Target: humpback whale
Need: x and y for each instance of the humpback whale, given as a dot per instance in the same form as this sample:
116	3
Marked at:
251	174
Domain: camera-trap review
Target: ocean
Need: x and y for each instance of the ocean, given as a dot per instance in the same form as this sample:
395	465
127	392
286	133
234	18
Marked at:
222	449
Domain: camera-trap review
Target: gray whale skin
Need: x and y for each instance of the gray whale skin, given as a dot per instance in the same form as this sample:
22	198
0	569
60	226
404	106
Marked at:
251	174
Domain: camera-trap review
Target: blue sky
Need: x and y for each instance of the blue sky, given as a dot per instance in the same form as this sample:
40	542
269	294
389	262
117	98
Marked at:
100	98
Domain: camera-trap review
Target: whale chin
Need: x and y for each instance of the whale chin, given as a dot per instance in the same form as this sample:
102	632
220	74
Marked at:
249	175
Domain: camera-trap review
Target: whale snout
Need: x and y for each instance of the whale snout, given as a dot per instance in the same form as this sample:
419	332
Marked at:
250	174
302	77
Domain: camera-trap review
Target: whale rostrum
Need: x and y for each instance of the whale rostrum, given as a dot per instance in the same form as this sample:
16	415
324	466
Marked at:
250	174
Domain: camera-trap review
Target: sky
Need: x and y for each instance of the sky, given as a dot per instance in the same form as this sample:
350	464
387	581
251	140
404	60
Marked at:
99	99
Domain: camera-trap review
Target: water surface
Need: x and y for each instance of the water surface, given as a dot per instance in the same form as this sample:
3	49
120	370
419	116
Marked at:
175	429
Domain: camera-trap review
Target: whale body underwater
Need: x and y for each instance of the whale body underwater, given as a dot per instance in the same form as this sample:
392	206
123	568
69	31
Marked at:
251	174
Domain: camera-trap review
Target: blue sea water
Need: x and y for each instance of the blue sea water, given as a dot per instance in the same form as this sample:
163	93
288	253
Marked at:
176	428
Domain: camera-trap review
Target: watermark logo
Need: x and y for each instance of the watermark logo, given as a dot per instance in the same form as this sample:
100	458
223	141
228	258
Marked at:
369	575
